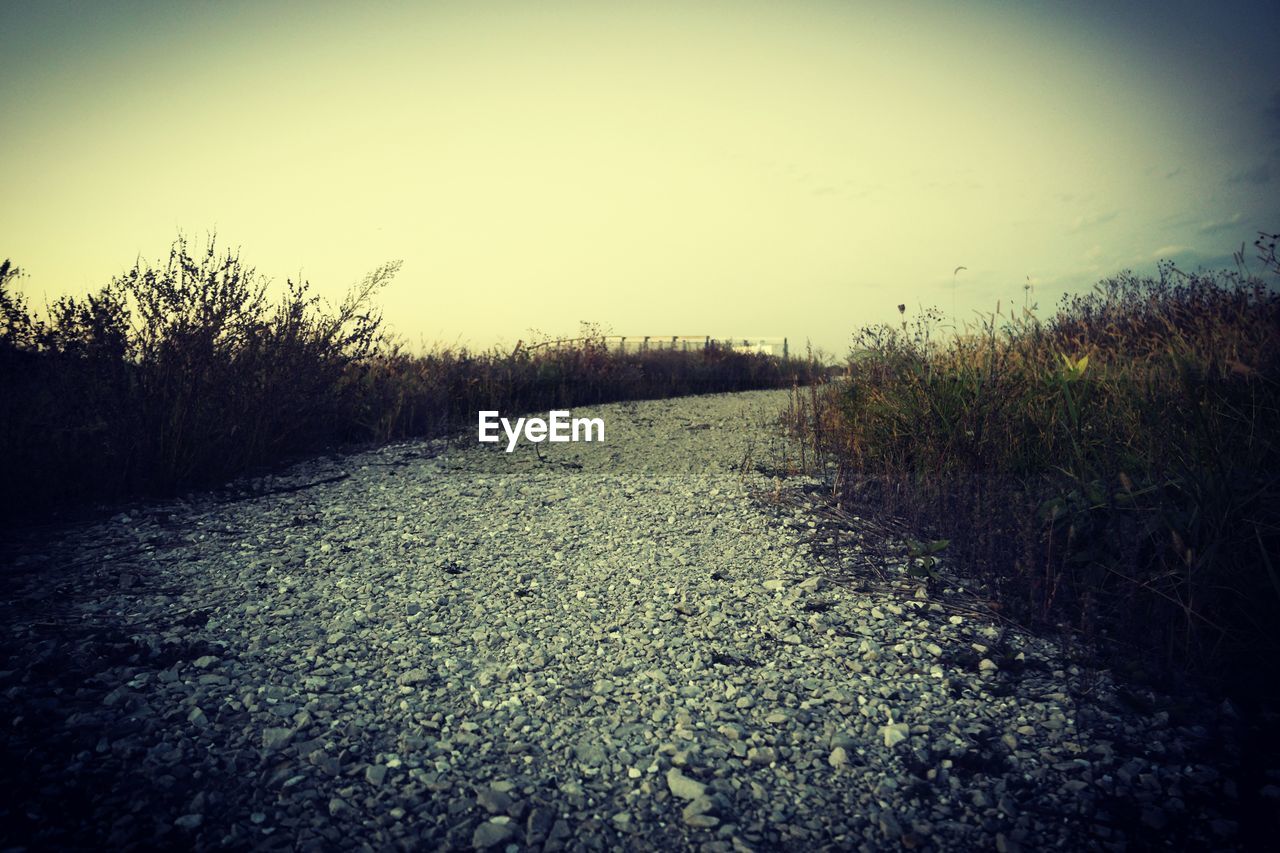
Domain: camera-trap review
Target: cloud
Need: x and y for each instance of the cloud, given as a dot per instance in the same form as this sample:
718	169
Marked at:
1188	258
1258	175
1092	220
1215	226
1180	220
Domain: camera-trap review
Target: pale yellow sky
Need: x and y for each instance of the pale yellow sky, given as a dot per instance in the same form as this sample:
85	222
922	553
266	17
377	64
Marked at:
740	168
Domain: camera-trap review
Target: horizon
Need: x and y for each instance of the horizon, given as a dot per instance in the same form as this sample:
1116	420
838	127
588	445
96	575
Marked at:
789	170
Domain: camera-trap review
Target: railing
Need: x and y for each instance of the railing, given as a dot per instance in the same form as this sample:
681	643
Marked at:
683	343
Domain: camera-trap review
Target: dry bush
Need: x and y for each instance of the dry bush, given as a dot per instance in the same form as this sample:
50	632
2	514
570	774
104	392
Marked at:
1113	468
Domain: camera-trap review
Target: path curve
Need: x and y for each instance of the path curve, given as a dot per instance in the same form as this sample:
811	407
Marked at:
616	646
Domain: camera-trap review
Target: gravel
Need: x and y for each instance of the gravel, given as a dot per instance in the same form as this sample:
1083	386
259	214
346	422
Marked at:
636	644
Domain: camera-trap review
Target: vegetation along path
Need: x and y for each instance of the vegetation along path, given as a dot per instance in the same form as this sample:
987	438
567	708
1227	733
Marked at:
627	645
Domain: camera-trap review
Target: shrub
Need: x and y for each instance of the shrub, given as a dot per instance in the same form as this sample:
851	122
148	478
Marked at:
1112	468
187	373
172	375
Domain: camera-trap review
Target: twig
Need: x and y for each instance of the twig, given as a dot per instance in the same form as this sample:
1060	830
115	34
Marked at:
283	490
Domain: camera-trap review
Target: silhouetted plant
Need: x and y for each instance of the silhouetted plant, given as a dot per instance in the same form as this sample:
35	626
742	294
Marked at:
187	373
173	375
1113	467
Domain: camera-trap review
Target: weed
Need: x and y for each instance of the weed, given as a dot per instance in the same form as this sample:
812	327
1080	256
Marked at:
1112	468
187	373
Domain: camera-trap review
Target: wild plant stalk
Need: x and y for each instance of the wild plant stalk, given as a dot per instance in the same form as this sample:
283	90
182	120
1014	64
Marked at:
187	373
1114	465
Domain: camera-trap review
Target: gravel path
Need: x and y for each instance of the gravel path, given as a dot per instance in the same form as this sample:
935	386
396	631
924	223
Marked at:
627	645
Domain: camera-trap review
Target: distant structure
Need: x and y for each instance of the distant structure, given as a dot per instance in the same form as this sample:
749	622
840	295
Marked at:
684	343
687	343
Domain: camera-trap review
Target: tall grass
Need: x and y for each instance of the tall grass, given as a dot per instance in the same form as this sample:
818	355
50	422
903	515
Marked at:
1114	468
189	372
403	394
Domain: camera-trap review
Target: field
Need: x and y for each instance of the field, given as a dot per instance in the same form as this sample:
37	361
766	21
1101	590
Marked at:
188	373
1111	469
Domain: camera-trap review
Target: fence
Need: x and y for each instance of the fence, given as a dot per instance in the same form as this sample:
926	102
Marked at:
684	343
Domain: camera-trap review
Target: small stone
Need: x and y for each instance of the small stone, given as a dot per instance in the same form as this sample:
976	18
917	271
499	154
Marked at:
276	738
558	835
1005	844
492	832
590	752
412	677
762	755
374	774
204	662
775	585
699	805
684	787
493	801
338	806
895	733
189	821
538	824
839	757
702	821
889	825
987	665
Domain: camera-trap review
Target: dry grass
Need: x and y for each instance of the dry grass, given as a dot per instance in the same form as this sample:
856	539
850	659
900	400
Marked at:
188	373
1114	468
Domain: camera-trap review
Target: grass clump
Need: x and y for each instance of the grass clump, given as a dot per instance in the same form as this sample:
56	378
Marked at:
171	375
1114	468
190	372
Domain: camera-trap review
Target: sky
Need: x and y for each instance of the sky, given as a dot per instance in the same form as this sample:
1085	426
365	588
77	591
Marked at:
733	169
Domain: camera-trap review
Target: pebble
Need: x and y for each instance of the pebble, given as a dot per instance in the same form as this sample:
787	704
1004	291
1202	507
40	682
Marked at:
895	733
492	832
684	787
276	737
451	647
